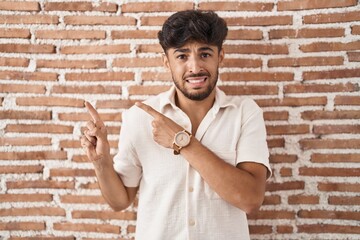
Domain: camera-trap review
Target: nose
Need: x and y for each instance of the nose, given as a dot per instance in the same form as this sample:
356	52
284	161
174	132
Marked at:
194	65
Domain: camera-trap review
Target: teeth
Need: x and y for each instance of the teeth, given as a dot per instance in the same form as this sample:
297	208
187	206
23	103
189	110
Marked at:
196	81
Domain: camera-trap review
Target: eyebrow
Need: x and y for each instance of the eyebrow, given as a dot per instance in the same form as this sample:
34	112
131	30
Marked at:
186	50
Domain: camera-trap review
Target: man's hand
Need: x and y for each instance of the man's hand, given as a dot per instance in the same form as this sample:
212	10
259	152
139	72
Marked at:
94	140
164	129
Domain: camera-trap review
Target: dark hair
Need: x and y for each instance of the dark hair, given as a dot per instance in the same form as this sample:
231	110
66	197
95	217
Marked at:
193	25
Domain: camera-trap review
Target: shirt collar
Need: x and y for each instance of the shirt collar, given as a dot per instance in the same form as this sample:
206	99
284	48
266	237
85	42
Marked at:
221	99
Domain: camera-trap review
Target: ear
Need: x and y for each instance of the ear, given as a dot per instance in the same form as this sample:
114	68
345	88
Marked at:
221	55
165	60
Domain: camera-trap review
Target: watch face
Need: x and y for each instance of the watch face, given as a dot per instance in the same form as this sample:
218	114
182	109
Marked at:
182	139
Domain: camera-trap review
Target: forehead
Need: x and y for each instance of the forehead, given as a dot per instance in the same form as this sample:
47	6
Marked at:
193	47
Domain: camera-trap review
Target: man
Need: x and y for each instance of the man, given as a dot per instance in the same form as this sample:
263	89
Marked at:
199	158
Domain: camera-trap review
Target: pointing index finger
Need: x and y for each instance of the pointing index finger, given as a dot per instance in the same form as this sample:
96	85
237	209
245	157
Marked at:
93	113
148	109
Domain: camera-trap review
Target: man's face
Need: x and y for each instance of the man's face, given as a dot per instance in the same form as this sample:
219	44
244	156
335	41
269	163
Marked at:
194	68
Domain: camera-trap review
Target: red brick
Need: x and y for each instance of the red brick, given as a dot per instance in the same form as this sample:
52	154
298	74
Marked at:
134	34
331	74
339	187
305	61
347	100
40	184
327	214
42	237
35	211
343	200
259	21
330	46
21	169
329	143
303	199
82	64
284	229
236	6
14	33
272	200
81	199
38	115
35	76
14	62
328	158
137	62
19	6
250	90
149	48
339	114
272	215
156	7
311	4
116	104
288	129
354	56
306	33
70	34
328	172
328	228
66	172
89	49
26	48
25	141
348	16
95	89
263	49
355	30
335	129
276	115
94	185
99	20
115	117
156	76
327	88
286	172
285	186
282	158
82	227
152	20
80	6
294	102
100	76
39	128
49	101
29	19
22	226
276	142
40	155
241	63
33	197
22	88
257	76
147	90
260	229
104	215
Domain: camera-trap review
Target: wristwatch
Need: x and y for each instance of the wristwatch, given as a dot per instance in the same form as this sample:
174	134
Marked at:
181	140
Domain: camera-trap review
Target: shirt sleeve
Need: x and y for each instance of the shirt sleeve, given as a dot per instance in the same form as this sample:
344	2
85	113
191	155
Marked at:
252	145
126	162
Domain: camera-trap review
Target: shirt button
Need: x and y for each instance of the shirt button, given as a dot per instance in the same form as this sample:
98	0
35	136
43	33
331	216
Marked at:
191	189
192	222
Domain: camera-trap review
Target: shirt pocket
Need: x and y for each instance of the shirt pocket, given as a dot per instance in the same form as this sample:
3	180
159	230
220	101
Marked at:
227	156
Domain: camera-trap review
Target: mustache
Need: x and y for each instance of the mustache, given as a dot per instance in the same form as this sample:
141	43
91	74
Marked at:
196	75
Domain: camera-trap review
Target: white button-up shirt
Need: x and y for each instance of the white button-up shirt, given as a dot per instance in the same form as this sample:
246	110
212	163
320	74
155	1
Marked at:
175	203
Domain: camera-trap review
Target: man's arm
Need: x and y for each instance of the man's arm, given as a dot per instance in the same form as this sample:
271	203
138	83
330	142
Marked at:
243	185
97	148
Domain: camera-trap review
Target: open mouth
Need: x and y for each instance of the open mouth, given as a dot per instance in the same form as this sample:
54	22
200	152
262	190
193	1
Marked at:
197	81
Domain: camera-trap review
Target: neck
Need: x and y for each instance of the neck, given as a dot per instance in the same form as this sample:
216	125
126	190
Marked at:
195	110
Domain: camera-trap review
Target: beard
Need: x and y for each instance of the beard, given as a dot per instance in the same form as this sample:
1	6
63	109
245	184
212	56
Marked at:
197	96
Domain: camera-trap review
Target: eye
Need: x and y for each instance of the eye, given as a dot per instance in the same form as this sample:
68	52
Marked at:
181	56
205	55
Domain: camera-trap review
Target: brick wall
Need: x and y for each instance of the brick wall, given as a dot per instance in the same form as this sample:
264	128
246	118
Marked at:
299	59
